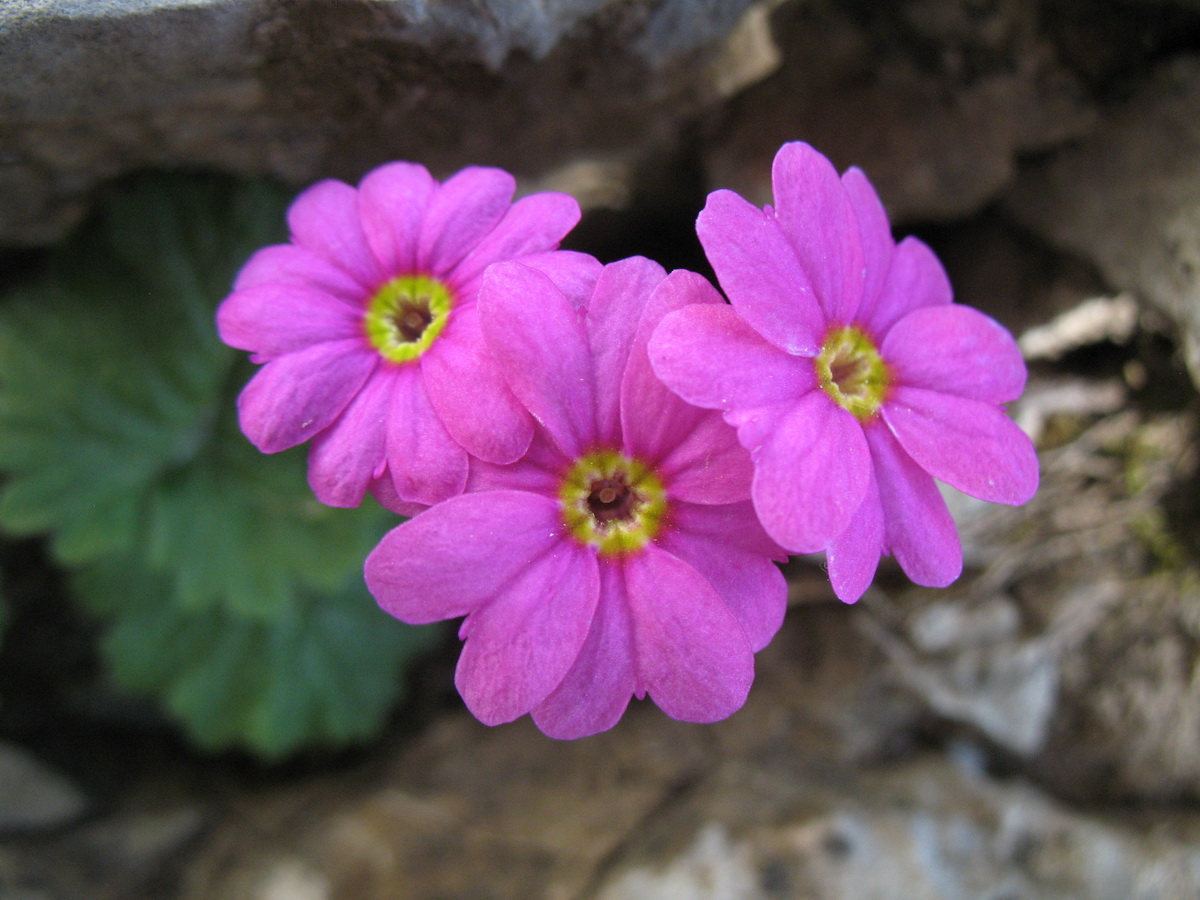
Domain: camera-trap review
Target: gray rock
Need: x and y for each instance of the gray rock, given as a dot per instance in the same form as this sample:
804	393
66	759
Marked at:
33	796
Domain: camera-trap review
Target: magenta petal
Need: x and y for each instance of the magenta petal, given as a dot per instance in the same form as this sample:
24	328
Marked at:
383	489
811	474
916	279
853	556
541	470
708	465
956	350
460	554
877	242
693	658
427	465
533	224
324	219
462	211
273	319
575	274
818	219
392	201
468	390
521	644
728	546
287	264
612	317
296	396
968	444
593	695
350	453
918	528
538	339
711	357
760	274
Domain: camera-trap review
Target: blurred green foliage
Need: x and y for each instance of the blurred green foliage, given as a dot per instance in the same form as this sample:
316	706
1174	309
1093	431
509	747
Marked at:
230	593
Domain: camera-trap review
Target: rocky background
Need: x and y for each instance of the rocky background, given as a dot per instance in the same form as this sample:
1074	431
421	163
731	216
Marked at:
1031	732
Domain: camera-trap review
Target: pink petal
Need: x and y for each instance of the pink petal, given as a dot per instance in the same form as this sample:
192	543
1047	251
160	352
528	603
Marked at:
819	221
728	546
708	465
426	464
956	350
383	489
350	453
575	274
711	357
877	242
522	643
287	264
392	201
298	395
539	341
968	444
324	219
853	556
915	280
810	474
461	213
458	555
612	318
918	528
693	658
760	274
468	390
541	470
533	224
273	319
593	695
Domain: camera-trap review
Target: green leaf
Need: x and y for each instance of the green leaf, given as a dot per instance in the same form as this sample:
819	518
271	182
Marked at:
324	673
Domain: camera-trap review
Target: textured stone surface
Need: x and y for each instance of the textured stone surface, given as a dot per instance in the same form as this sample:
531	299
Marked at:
1128	199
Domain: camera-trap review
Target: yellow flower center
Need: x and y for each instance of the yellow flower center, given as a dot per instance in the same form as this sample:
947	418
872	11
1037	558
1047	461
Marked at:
406	315
613	503
852	372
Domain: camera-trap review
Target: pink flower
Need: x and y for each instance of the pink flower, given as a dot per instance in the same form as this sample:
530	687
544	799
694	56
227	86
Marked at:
367	327
850	376
621	556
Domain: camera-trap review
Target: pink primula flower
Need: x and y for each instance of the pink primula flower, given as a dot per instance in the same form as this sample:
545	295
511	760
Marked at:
367	328
850	375
621	556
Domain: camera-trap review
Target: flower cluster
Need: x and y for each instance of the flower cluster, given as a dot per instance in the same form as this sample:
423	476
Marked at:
603	464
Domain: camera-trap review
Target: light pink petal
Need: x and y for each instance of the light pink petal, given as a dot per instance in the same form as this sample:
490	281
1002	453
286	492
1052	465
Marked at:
273	319
539	341
533	224
918	528
462	211
709	356
612	318
287	264
573	273
968	444
811	474
541	470
468	390
819	221
759	272
392	201
877	242
708	465
593	695
348	455
916	279
324	219
728	546
426	464
956	350
693	658
853	556
522	643
296	396
460	554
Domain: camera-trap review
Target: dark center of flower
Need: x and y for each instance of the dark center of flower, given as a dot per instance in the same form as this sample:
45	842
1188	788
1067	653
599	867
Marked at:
852	372
612	502
406	315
